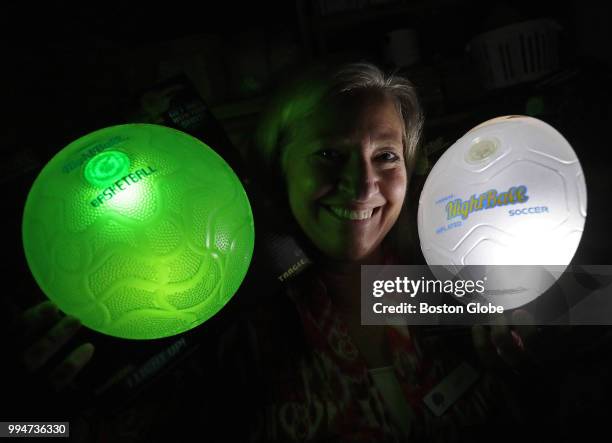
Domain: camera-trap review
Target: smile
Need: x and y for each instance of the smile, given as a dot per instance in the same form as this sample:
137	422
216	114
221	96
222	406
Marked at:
347	214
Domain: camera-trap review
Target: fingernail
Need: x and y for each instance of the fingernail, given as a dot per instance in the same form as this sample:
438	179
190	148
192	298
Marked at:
86	350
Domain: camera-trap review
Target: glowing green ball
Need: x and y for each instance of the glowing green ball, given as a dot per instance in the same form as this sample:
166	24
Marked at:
140	231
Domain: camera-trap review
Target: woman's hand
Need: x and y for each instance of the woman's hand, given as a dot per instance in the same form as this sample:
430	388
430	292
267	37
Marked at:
524	348
45	331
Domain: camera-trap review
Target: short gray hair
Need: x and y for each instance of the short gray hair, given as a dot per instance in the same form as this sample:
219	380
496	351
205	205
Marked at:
365	76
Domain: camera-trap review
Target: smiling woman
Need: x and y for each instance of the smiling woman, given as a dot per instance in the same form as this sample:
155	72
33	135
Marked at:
338	147
335	152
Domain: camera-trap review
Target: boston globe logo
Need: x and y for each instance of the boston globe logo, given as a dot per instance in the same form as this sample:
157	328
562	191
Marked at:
509	192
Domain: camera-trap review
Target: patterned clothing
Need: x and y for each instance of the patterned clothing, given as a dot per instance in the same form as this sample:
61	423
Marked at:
322	390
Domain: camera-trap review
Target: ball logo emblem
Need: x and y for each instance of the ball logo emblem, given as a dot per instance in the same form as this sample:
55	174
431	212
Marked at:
106	167
481	150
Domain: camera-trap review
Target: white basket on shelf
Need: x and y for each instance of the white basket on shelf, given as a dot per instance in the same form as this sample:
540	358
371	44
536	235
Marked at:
516	53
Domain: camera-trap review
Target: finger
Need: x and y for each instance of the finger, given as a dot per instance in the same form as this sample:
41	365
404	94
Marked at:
525	328
65	373
483	346
501	337
39	318
40	352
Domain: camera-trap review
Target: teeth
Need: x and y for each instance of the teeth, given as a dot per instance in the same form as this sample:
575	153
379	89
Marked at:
351	215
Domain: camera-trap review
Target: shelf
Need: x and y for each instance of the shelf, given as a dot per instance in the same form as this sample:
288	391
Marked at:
370	14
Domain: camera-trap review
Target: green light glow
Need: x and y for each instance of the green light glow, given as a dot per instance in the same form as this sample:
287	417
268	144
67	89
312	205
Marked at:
131	198
106	167
156	247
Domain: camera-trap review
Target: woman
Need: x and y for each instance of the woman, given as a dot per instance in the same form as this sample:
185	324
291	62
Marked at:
341	146
335	152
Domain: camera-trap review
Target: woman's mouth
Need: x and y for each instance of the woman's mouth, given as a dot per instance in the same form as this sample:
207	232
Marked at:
351	215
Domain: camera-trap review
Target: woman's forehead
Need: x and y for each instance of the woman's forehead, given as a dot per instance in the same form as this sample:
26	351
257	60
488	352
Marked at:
343	120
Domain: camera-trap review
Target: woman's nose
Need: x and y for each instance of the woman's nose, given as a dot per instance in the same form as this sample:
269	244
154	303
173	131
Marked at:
358	180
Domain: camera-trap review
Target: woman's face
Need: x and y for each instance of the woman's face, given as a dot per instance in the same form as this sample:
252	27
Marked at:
346	175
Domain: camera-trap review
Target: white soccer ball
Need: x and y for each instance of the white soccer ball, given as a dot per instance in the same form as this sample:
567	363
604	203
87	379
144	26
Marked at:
509	192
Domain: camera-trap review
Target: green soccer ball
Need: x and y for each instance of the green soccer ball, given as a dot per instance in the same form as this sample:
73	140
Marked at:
141	231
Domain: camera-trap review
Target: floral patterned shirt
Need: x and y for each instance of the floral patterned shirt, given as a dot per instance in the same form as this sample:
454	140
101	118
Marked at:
323	391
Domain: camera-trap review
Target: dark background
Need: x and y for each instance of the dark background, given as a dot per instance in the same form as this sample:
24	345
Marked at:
68	70
71	69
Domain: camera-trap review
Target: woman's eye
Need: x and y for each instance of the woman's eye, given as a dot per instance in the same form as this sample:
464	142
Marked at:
388	156
329	154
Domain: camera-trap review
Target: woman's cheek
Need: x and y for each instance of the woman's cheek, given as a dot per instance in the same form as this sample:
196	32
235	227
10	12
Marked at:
395	184
314	183
304	191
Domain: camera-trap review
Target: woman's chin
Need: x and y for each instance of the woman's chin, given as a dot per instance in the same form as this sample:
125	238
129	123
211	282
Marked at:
355	255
